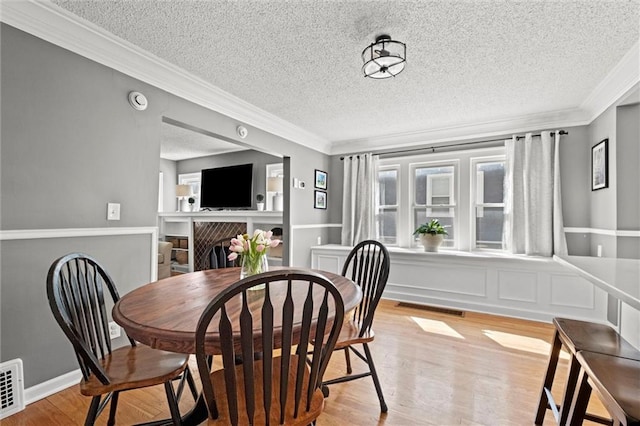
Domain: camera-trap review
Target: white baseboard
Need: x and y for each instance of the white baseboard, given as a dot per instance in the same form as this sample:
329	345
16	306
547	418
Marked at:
44	389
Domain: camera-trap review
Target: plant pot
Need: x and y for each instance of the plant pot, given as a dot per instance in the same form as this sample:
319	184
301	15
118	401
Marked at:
260	206
431	242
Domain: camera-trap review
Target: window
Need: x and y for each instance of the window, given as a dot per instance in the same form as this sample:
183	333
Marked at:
489	203
193	180
434	197
388	206
462	189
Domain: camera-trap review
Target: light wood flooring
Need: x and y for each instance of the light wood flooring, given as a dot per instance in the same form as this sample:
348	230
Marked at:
435	369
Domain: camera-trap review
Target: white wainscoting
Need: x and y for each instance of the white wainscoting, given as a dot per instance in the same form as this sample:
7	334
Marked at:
516	286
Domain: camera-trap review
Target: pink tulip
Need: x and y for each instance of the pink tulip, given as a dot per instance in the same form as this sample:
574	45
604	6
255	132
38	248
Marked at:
269	235
260	248
274	243
232	256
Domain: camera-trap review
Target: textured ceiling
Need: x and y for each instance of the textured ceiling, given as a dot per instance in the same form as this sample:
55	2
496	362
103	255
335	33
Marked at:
467	61
179	143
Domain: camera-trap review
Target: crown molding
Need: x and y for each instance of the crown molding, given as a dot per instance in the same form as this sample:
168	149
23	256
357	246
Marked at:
465	132
51	23
615	84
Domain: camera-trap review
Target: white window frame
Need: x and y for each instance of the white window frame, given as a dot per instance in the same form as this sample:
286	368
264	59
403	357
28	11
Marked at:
396	168
477	194
272	170
463	187
453	206
192	179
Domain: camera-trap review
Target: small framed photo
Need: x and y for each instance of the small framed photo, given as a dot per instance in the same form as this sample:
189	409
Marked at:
320	200
320	179
600	165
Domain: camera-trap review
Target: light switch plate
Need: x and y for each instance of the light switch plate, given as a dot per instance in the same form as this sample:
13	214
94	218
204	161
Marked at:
113	211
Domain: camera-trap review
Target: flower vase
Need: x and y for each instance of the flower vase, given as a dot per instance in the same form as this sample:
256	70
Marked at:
253	266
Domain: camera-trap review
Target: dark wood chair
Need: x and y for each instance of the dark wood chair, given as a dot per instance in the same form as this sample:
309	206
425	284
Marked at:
615	380
368	266
575	336
279	388
77	287
216	255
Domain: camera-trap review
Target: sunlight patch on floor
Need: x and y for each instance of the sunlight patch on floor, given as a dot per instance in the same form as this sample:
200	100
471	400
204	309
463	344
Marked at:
436	327
522	343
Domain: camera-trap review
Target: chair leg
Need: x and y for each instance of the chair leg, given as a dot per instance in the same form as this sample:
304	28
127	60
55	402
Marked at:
580	401
93	411
192	383
173	403
374	376
347	358
569	391
112	409
548	380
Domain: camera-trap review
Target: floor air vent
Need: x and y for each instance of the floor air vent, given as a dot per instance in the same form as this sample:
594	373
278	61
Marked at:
11	388
432	309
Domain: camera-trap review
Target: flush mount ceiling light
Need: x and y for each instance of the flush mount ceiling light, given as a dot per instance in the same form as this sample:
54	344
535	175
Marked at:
384	58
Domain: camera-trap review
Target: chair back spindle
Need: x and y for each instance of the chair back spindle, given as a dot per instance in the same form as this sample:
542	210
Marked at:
216	255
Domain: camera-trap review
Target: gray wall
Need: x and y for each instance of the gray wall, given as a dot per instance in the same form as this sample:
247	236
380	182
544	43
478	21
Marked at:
70	144
616	208
169	181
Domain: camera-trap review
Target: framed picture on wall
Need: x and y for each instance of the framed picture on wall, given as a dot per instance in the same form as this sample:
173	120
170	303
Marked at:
320	200
600	165
320	179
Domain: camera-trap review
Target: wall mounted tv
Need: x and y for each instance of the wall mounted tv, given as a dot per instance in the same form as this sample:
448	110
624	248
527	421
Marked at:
228	187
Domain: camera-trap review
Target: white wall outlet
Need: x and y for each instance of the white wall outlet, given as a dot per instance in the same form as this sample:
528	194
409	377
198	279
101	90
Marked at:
114	330
599	250
113	211
319	240
296	183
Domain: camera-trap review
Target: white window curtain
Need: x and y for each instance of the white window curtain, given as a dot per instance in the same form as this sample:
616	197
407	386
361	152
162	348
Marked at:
533	204
358	198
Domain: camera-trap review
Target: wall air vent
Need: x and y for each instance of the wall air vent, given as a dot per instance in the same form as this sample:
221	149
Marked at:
11	388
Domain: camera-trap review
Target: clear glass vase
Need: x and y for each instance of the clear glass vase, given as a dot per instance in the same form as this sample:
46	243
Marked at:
253	266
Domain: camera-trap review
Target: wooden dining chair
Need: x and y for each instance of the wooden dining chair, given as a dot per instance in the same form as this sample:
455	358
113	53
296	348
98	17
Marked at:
278	321
368	266
77	287
216	255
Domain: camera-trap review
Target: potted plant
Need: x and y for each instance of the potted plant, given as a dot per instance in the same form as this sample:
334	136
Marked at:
260	201
431	234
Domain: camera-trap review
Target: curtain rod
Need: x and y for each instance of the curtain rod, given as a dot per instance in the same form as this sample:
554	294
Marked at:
433	148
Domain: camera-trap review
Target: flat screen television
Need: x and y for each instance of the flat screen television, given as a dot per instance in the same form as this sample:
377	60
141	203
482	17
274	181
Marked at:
228	187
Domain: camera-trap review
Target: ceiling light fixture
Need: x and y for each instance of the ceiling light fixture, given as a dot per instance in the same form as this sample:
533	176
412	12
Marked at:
384	58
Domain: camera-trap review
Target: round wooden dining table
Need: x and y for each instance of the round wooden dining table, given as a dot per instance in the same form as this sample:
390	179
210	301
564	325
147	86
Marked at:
164	314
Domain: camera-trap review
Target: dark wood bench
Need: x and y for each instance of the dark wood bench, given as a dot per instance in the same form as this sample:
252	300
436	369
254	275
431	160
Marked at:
578	336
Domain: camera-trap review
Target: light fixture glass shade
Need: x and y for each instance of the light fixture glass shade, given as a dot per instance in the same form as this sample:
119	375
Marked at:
384	58
274	184
183	190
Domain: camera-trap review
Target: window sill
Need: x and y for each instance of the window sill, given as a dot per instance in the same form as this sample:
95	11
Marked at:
449	256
